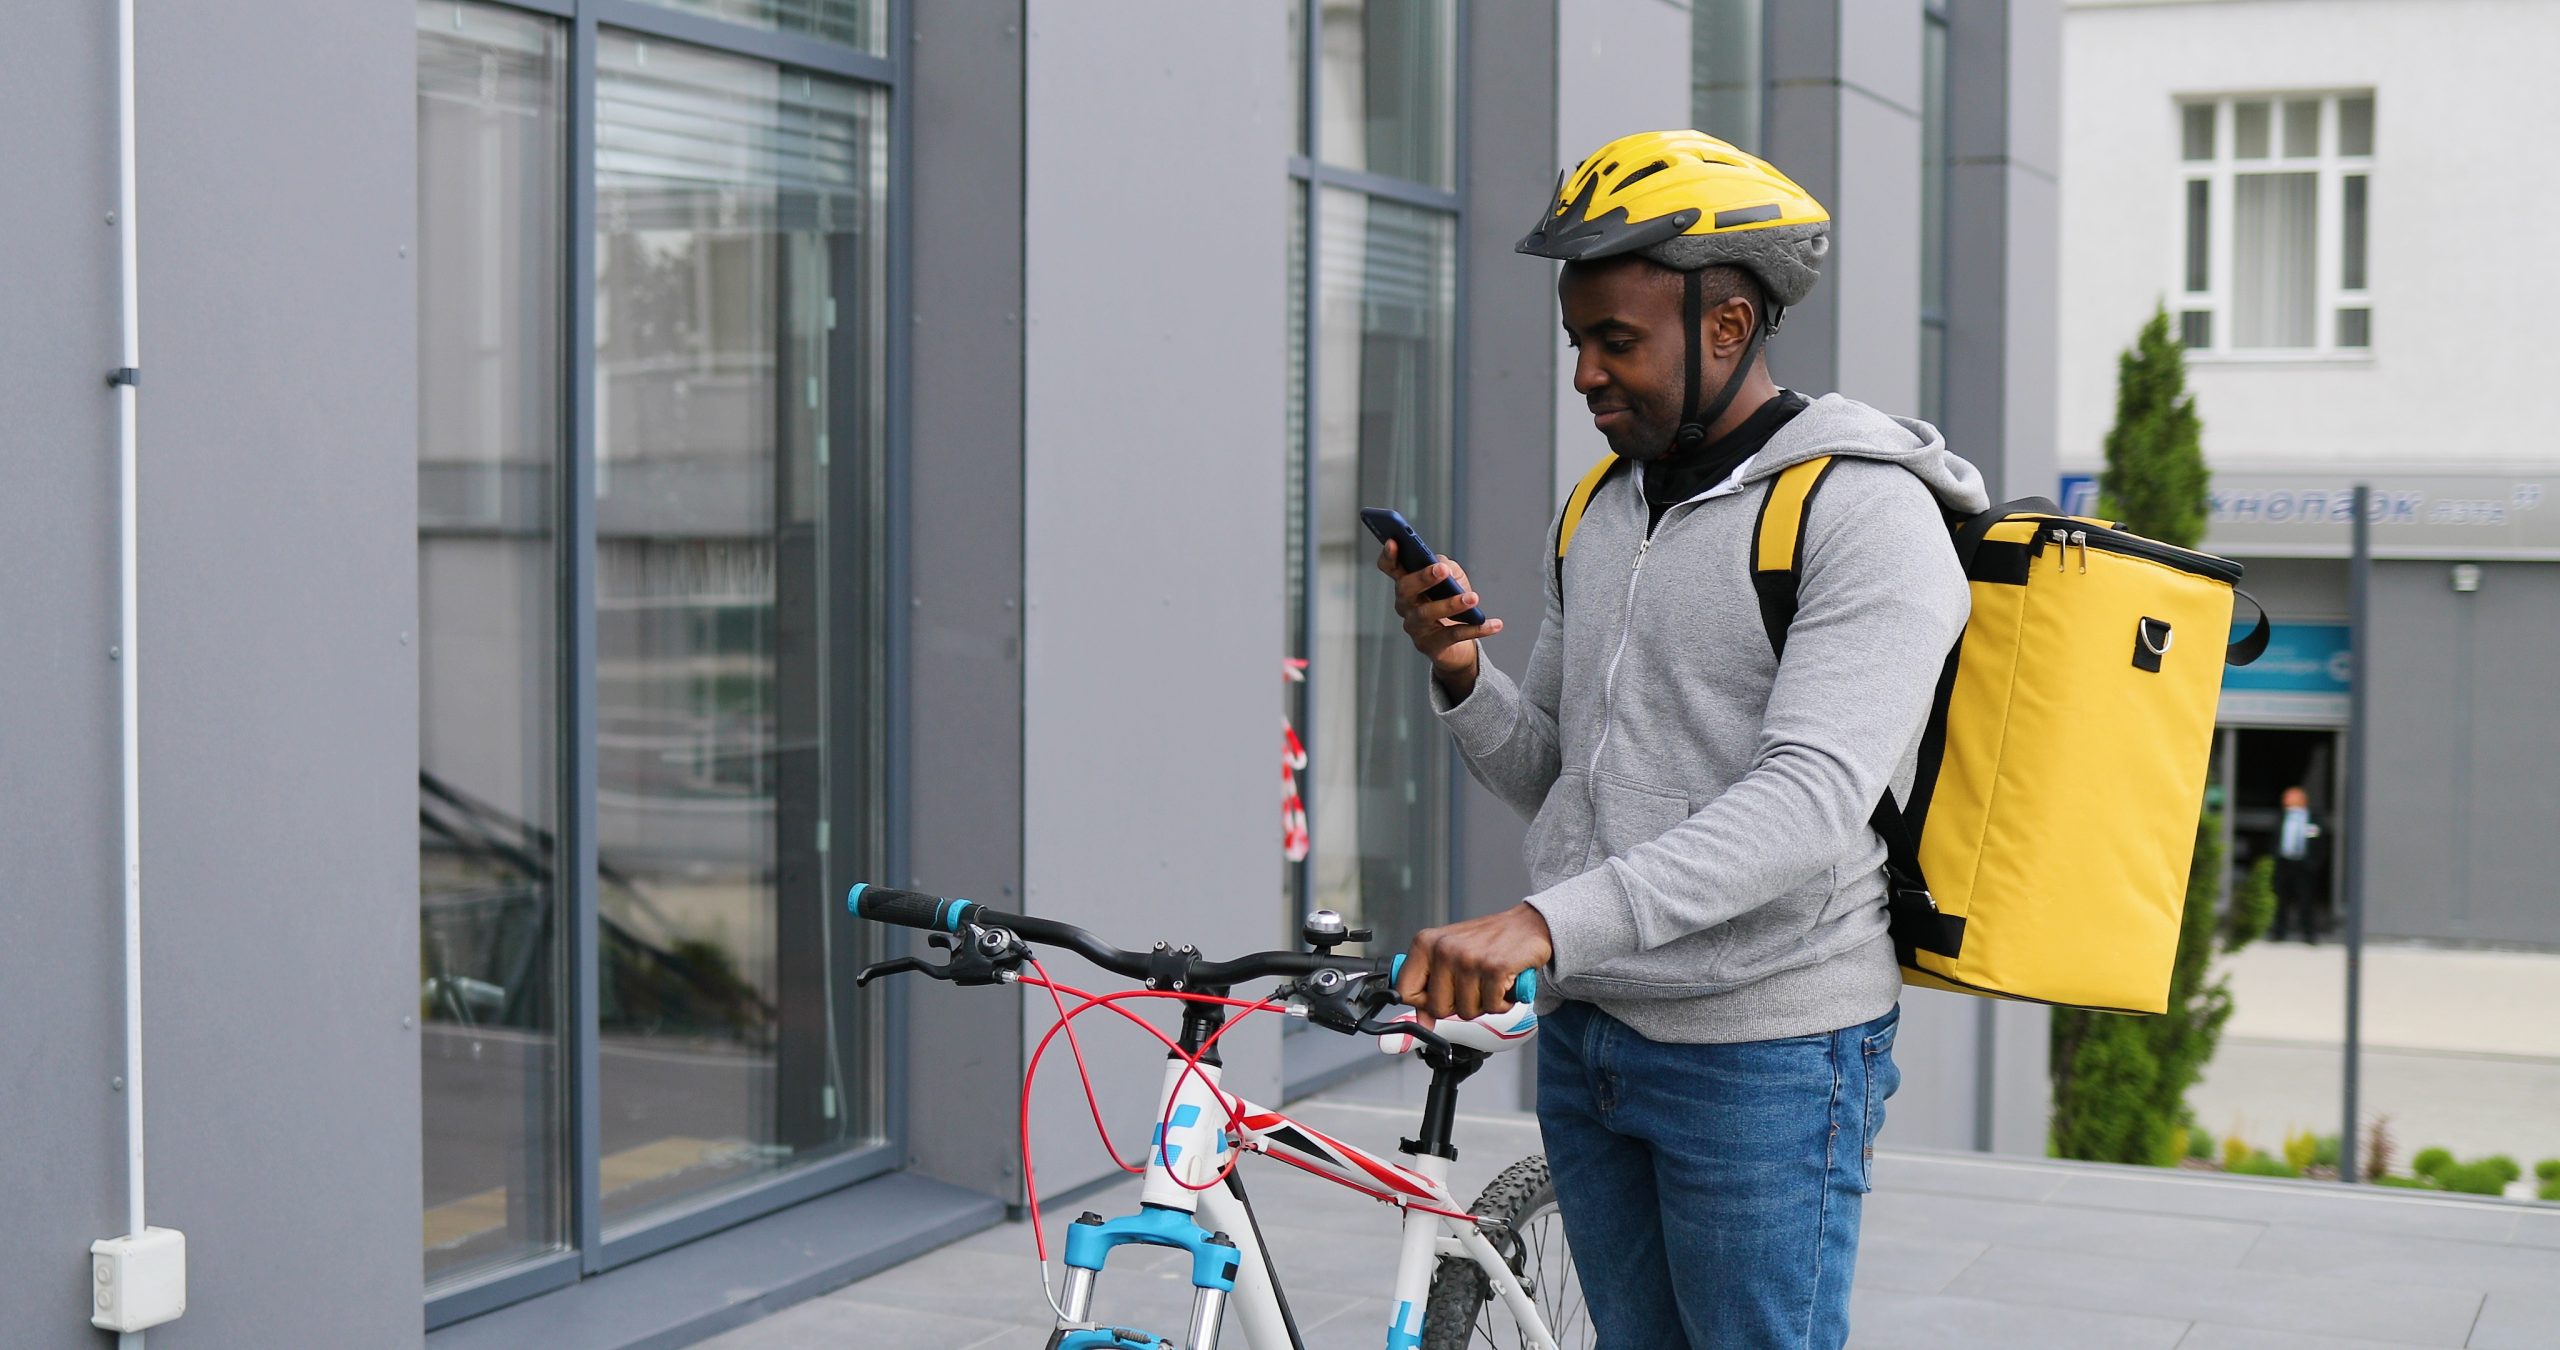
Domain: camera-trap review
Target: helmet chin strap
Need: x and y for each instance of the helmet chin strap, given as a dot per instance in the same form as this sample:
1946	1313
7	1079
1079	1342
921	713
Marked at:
1692	432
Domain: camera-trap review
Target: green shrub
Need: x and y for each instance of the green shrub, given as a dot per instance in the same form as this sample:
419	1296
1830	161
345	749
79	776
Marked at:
2506	1166
2324	1151
2548	1169
2200	1145
2253	906
2235	1151
2404	1183
2300	1148
2550	1189
2260	1165
2431	1162
2484	1177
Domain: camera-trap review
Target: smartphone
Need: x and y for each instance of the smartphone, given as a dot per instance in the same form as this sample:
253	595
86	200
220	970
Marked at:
1412	554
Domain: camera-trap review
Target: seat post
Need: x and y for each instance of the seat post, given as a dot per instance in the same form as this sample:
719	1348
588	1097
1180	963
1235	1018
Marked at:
1440	1107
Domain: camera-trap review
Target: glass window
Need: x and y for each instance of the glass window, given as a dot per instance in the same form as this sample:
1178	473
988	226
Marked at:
2273	248
2197	122
2199	235
491	186
2302	128
2269	256
861	24
2355	328
1383	369
2355	125
1933	215
1724	69
2249	130
1297	77
2351	234
737	267
1388	81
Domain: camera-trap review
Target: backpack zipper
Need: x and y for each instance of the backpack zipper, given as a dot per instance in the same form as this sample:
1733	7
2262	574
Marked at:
2135	546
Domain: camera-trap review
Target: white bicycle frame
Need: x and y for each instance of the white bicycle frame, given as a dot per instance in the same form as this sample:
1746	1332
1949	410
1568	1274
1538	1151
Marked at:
1194	1147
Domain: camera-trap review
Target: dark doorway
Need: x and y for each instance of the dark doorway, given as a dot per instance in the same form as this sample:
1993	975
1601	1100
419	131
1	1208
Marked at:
2262	764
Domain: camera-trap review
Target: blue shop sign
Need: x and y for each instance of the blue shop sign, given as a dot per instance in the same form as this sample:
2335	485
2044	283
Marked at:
2304	658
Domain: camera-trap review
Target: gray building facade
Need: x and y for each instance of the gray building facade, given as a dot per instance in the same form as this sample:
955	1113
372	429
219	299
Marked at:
615	473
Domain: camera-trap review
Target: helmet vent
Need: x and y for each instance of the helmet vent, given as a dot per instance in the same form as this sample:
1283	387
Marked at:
1746	215
1641	174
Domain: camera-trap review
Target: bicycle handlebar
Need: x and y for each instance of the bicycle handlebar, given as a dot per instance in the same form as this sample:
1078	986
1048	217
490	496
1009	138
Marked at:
939	914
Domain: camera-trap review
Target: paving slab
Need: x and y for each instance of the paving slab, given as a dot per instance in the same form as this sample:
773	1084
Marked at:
2060	1228
2353	1254
835	1324
2510	1320
2216	1336
1893	1263
2213	1196
1959	1174
2201	1293
1886	1321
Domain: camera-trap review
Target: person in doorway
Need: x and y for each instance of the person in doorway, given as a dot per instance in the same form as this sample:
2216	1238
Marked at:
2300	905
1707	894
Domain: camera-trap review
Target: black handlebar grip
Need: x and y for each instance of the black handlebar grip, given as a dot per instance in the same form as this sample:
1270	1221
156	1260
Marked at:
910	909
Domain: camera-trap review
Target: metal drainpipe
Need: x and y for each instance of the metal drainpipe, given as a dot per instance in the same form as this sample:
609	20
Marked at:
127	393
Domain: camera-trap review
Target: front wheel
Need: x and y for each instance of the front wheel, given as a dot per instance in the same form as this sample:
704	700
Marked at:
1463	1309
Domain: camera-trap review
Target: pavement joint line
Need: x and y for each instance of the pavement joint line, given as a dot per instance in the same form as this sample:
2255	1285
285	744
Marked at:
2403	1051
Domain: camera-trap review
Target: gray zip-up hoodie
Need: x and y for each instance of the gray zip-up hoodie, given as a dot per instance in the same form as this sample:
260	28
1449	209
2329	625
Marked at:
1698	841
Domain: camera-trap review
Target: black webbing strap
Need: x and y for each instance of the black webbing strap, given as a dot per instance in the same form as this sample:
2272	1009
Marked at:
2253	646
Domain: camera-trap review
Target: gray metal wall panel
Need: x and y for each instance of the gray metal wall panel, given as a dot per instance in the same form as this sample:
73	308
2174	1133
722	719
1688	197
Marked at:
2466	733
280	692
62	977
1874	272
2003	238
1154	394
1508	453
2299	589
964	800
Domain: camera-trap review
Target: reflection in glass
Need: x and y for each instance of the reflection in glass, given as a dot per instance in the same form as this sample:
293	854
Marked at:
2249	131
738	223
1388	88
1383	366
1724	70
490	222
2351	227
2302	128
860	24
2355	125
2199	235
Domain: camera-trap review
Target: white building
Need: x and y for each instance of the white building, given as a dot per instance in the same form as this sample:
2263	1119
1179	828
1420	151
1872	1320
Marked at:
2341	203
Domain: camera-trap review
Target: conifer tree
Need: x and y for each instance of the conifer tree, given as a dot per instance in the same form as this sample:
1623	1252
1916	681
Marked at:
2120	1083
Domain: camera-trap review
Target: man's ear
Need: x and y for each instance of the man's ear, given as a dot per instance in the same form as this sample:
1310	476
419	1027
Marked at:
1729	327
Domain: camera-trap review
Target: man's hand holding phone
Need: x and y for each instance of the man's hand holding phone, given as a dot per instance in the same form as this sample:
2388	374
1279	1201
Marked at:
1434	626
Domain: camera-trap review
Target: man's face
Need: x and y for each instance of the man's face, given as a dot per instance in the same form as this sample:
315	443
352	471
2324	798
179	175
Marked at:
2296	798
1622	317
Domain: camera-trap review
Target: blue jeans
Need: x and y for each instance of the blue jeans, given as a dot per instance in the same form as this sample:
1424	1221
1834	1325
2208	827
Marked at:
1711	1192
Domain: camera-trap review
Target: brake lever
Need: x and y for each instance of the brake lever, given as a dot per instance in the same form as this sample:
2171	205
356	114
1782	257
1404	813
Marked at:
1416	1030
980	956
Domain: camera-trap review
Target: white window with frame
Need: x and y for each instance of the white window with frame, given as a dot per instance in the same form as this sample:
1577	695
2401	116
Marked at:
2274	214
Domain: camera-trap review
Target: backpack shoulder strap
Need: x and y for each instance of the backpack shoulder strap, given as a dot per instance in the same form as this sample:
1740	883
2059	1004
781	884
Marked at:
1777	544
1576	504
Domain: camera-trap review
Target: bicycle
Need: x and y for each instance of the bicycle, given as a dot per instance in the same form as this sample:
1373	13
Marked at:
1499	1269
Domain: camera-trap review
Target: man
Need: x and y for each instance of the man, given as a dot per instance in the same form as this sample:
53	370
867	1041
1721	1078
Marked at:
1707	893
2299	903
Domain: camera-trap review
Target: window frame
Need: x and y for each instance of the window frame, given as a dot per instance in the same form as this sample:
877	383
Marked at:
2221	174
1313	1061
866	829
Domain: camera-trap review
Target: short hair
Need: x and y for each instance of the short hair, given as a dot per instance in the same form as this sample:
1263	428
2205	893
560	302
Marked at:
1723	282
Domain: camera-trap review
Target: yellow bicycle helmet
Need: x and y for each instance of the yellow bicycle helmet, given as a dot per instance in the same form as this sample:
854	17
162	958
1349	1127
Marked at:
1688	201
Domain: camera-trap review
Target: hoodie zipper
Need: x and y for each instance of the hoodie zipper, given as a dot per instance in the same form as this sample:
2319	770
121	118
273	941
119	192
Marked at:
1609	683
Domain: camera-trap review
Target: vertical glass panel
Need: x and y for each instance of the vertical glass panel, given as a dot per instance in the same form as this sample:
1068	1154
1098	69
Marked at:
2199	235
1724	69
491	181
738	218
2196	124
2273	256
860	24
1383	370
2355	125
2302	128
1933	371
2195	330
2249	130
2355	328
2351	235
1933	168
1388	88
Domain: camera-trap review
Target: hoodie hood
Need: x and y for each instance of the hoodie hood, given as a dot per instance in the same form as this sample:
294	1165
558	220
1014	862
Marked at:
1832	425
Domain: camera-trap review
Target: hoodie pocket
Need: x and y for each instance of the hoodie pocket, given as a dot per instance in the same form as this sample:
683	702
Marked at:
1561	834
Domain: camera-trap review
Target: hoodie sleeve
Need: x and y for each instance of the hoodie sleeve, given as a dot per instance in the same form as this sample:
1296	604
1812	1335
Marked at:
1506	732
1880	603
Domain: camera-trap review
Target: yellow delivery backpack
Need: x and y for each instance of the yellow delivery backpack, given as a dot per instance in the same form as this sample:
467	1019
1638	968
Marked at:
2043	851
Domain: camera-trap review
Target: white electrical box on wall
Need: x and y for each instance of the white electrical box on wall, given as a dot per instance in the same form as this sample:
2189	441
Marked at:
138	1282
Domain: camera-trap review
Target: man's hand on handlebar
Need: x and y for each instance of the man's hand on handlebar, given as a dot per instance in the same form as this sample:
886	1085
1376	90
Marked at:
1466	969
